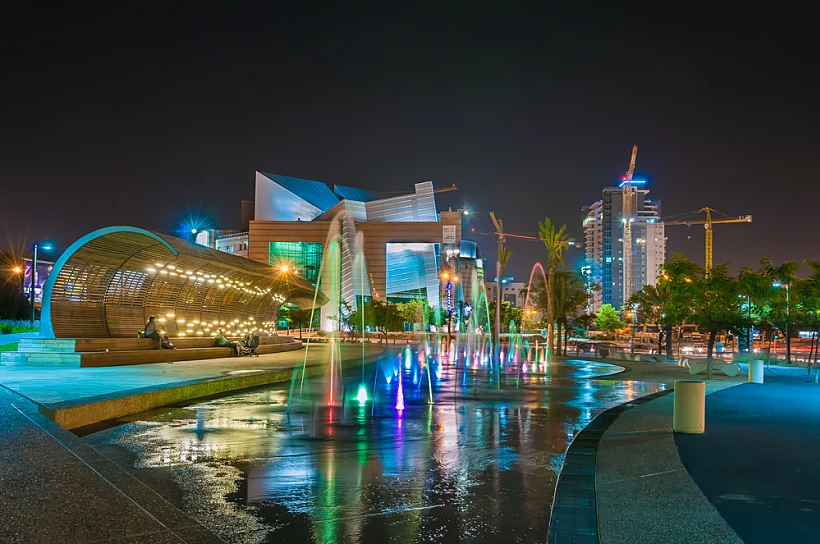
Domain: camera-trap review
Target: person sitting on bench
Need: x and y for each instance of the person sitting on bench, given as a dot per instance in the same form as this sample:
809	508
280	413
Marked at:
156	332
221	341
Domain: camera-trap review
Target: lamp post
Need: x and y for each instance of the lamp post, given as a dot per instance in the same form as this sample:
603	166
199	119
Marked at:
750	329
788	286
46	247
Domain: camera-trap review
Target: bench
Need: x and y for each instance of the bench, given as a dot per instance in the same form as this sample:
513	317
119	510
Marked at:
185	349
699	365
97	352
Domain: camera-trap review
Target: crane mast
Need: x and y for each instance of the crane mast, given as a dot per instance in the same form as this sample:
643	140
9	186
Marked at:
628	192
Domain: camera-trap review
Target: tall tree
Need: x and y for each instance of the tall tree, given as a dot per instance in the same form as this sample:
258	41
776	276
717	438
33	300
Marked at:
568	296
651	302
784	276
808	292
755	290
679	292
504	255
715	305
555	241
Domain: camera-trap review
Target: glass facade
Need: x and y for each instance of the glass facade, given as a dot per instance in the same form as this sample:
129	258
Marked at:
412	271
305	257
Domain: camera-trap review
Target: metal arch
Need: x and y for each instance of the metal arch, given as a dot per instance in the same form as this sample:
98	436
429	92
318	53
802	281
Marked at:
46	327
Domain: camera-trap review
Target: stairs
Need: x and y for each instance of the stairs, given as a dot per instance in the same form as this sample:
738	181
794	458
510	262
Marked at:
43	352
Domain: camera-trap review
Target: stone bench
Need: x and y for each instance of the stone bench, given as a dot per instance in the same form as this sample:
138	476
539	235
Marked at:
699	365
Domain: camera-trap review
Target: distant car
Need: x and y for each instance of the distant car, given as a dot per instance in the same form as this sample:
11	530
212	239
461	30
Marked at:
694	349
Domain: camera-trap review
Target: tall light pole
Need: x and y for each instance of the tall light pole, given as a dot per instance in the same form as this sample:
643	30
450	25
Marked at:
788	319
46	247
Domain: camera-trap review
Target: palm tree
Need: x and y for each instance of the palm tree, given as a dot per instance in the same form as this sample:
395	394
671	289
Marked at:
504	254
570	294
555	240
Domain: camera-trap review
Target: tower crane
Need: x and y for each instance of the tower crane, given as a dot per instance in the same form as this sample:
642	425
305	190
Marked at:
707	223
628	196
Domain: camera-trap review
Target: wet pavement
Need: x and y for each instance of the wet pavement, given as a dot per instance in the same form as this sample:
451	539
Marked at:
476	465
756	461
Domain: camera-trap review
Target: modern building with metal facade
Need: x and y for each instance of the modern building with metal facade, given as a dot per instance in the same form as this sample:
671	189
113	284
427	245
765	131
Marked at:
110	281
391	247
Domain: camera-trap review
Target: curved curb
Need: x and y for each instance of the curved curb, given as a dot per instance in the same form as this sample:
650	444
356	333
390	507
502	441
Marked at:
574	514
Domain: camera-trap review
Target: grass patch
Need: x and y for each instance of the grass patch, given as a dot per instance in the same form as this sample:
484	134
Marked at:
9	347
11	326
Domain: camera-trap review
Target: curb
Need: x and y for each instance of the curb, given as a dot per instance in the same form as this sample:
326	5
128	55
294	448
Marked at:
574	514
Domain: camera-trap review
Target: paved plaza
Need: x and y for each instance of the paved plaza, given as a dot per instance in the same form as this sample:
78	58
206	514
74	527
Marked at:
747	478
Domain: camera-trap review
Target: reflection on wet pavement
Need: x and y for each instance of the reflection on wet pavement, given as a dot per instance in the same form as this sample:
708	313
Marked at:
475	466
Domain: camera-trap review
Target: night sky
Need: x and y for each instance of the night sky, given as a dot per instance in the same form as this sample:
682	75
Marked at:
116	117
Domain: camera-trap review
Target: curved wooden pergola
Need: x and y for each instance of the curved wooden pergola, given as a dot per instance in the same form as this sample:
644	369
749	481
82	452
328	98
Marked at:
110	281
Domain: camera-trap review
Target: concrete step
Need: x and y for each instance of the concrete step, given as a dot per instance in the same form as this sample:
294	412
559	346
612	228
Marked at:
43	349
16	358
42	345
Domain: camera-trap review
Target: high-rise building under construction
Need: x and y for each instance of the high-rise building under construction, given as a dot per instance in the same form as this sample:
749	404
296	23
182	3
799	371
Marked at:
625	244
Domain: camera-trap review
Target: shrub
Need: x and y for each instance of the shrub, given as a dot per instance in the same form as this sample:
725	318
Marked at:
321	334
10	326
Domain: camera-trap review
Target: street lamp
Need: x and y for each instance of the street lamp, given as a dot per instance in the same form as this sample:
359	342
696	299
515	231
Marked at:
20	271
46	247
778	285
750	329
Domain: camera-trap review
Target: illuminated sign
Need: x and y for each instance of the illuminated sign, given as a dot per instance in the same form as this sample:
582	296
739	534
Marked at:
448	234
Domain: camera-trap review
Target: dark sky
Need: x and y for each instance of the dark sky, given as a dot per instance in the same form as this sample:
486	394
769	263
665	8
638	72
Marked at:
117	117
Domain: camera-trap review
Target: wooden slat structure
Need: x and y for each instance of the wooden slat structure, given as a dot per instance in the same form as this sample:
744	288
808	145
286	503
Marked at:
109	282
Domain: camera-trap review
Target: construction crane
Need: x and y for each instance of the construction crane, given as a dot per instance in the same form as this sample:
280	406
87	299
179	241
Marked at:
446	189
707	223
628	196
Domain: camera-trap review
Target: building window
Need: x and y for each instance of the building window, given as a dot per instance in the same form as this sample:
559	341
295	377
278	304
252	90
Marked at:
305	257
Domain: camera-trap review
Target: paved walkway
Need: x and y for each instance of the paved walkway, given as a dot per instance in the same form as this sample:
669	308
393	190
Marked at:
56	488
76	397
643	492
52	385
756	462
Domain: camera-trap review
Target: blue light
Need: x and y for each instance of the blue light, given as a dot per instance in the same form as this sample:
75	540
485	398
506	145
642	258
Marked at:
633	182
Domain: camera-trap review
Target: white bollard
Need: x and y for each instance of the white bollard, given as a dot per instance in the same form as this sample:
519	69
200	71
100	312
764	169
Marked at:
756	371
690	407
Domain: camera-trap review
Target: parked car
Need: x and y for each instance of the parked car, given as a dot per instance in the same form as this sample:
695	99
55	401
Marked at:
694	349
